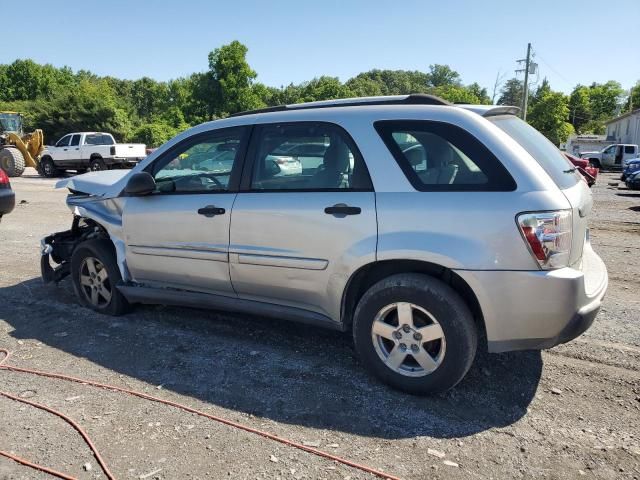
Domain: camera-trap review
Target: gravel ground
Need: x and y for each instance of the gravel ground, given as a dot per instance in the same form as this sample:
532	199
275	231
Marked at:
569	412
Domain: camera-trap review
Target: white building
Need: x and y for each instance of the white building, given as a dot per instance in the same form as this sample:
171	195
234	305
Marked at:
625	128
576	144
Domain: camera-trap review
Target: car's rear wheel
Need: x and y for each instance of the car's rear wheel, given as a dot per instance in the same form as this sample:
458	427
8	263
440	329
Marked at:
95	275
97	164
415	333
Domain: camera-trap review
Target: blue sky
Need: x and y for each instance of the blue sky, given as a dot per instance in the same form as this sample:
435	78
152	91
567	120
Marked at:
292	41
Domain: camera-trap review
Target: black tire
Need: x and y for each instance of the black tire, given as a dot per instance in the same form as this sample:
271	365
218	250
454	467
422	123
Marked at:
458	346
97	164
80	171
102	254
47	168
12	161
594	162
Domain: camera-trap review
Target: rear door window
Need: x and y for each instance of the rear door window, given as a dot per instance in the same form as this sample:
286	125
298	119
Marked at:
557	166
306	156
437	156
629	149
75	140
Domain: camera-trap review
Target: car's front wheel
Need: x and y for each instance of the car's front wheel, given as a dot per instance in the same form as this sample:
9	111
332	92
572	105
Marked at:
95	275
415	333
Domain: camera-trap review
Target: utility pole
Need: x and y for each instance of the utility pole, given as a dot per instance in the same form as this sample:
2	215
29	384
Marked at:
525	93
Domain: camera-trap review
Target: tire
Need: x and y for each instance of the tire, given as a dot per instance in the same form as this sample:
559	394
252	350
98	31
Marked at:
429	308
97	164
94	273
47	168
80	171
594	162
12	161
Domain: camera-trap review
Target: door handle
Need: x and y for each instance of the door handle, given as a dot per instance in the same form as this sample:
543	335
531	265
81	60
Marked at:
342	209
211	211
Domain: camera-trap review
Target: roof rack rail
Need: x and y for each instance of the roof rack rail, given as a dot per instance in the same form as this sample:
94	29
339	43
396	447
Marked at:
412	99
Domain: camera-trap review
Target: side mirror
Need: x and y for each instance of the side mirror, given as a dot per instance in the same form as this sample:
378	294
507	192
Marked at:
141	183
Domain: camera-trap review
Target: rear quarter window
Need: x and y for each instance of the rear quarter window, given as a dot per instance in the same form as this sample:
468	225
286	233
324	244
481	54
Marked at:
438	156
550	158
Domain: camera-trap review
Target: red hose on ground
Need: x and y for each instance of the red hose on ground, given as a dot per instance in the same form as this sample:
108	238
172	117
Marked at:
114	388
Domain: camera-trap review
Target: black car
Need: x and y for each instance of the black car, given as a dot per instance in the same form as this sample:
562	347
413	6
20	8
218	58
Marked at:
7	197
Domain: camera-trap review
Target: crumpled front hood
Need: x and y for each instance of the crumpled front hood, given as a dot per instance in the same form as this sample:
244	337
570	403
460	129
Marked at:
104	183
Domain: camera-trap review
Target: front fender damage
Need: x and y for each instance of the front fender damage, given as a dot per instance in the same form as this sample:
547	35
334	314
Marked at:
92	219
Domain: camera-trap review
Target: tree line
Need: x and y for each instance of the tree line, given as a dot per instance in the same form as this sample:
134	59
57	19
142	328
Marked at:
59	100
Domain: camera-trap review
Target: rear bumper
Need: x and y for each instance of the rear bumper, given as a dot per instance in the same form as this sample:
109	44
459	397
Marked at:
533	310
7	201
125	162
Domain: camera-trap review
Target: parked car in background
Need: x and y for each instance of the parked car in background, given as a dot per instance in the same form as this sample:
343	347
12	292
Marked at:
375	235
630	166
7	197
94	151
633	180
588	171
612	156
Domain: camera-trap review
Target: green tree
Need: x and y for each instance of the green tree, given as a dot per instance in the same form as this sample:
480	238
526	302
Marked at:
633	101
580	108
511	93
232	78
549	115
441	75
605	99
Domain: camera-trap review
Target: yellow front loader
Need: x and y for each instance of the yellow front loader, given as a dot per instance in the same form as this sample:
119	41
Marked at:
18	150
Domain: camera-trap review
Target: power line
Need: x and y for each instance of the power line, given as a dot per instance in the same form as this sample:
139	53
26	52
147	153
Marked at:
569	82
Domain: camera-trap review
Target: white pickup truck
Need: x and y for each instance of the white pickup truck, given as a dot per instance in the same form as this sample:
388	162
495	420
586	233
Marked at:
612	156
84	151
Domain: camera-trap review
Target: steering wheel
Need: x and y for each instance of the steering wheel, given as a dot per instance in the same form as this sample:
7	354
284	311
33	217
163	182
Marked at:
215	180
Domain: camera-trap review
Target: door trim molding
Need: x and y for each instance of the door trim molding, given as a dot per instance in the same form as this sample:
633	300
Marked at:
278	261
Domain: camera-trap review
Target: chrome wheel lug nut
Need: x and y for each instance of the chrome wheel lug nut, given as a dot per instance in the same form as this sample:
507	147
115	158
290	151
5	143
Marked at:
414	348
403	346
417	336
406	328
397	335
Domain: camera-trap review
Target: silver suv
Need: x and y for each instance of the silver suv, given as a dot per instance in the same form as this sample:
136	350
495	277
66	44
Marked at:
427	229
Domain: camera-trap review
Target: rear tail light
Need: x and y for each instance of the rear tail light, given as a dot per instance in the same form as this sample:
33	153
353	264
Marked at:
4	179
548	235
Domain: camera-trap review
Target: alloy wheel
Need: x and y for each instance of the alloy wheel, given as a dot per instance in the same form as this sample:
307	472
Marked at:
408	339
94	282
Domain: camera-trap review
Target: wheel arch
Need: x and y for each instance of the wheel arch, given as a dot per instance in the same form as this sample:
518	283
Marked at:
95	156
366	276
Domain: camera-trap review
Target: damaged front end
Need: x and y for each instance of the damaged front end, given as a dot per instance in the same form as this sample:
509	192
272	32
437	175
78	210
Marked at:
59	247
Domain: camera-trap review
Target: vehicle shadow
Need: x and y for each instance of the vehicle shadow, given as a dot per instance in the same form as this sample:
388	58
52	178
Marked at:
631	195
282	371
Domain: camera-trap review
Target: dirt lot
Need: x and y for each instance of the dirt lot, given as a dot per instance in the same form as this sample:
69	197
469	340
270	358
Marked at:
570	412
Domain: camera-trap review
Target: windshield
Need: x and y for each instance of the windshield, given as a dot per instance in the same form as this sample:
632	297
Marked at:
10	122
559	168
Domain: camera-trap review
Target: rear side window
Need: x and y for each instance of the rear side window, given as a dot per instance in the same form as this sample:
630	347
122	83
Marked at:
559	168
75	140
99	139
629	149
437	156
306	156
